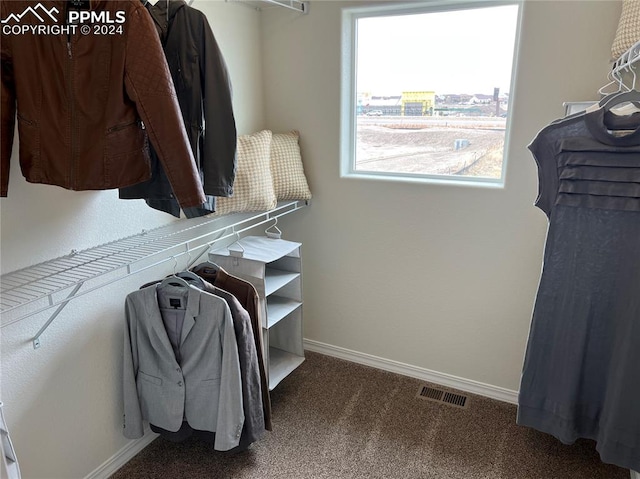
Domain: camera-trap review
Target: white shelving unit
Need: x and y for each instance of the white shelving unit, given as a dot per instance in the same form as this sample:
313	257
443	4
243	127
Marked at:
274	267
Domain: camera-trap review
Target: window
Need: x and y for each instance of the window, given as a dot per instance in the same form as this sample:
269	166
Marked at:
426	90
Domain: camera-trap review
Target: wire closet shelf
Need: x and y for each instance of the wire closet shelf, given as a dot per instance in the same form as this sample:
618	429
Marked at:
295	5
35	289
628	61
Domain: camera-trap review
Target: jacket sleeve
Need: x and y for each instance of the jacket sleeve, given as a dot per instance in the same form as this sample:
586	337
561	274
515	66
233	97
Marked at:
544	156
8	110
230	417
133	427
255	310
148	83
218	160
254	426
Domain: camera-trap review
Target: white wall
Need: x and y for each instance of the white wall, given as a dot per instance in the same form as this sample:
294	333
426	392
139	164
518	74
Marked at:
435	276
439	277
63	401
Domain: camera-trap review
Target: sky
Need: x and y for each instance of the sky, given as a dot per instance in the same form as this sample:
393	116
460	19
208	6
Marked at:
464	51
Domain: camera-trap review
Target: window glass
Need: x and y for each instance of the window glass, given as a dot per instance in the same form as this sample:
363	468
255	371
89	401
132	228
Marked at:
429	92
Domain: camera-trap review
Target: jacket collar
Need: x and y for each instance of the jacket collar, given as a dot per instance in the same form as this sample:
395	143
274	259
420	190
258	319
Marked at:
159	10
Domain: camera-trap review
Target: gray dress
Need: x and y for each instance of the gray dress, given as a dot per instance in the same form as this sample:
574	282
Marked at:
581	374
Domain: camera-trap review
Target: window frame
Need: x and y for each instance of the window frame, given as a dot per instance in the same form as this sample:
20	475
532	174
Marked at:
348	89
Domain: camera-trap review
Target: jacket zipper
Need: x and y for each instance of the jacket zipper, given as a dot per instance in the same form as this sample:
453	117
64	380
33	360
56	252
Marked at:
72	178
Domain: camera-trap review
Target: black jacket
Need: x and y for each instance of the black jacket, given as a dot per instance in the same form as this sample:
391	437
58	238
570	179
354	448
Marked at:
204	93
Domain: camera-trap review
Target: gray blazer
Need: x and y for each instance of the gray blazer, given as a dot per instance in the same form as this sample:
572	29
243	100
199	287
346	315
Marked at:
205	389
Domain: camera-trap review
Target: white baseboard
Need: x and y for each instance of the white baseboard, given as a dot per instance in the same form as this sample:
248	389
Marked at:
467	385
120	458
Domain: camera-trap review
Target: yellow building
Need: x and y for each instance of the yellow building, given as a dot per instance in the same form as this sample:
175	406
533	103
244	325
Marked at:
417	103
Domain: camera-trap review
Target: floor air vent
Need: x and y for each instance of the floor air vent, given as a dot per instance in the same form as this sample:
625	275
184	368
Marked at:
437	395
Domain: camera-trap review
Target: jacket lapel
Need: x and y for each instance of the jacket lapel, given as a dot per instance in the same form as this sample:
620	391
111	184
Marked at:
193	310
155	319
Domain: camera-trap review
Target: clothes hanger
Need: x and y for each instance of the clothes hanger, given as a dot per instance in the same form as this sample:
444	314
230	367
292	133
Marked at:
277	234
190	275
173	280
211	268
623	95
153	3
615	79
632	96
235	252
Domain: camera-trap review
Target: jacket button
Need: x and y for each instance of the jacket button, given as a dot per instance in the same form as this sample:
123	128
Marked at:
180	383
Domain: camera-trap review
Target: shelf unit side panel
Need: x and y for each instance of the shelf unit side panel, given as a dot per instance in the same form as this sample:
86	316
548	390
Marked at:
282	363
287	334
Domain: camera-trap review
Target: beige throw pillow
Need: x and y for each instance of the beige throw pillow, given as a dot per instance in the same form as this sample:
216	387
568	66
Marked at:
253	186
289	180
628	32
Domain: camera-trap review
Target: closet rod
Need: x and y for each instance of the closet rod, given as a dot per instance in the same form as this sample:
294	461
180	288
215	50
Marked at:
57	282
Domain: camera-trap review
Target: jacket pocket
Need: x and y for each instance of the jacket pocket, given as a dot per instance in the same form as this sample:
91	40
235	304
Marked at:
126	159
210	383
24	120
203	403
187	71
123	126
154	405
149	378
29	140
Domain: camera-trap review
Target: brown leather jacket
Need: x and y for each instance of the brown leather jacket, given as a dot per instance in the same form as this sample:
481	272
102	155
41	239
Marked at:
89	99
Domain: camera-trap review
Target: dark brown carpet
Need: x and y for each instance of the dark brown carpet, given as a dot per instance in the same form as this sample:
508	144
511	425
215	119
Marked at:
338	420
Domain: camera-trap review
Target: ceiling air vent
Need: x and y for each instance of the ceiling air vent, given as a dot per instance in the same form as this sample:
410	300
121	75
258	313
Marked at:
437	395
